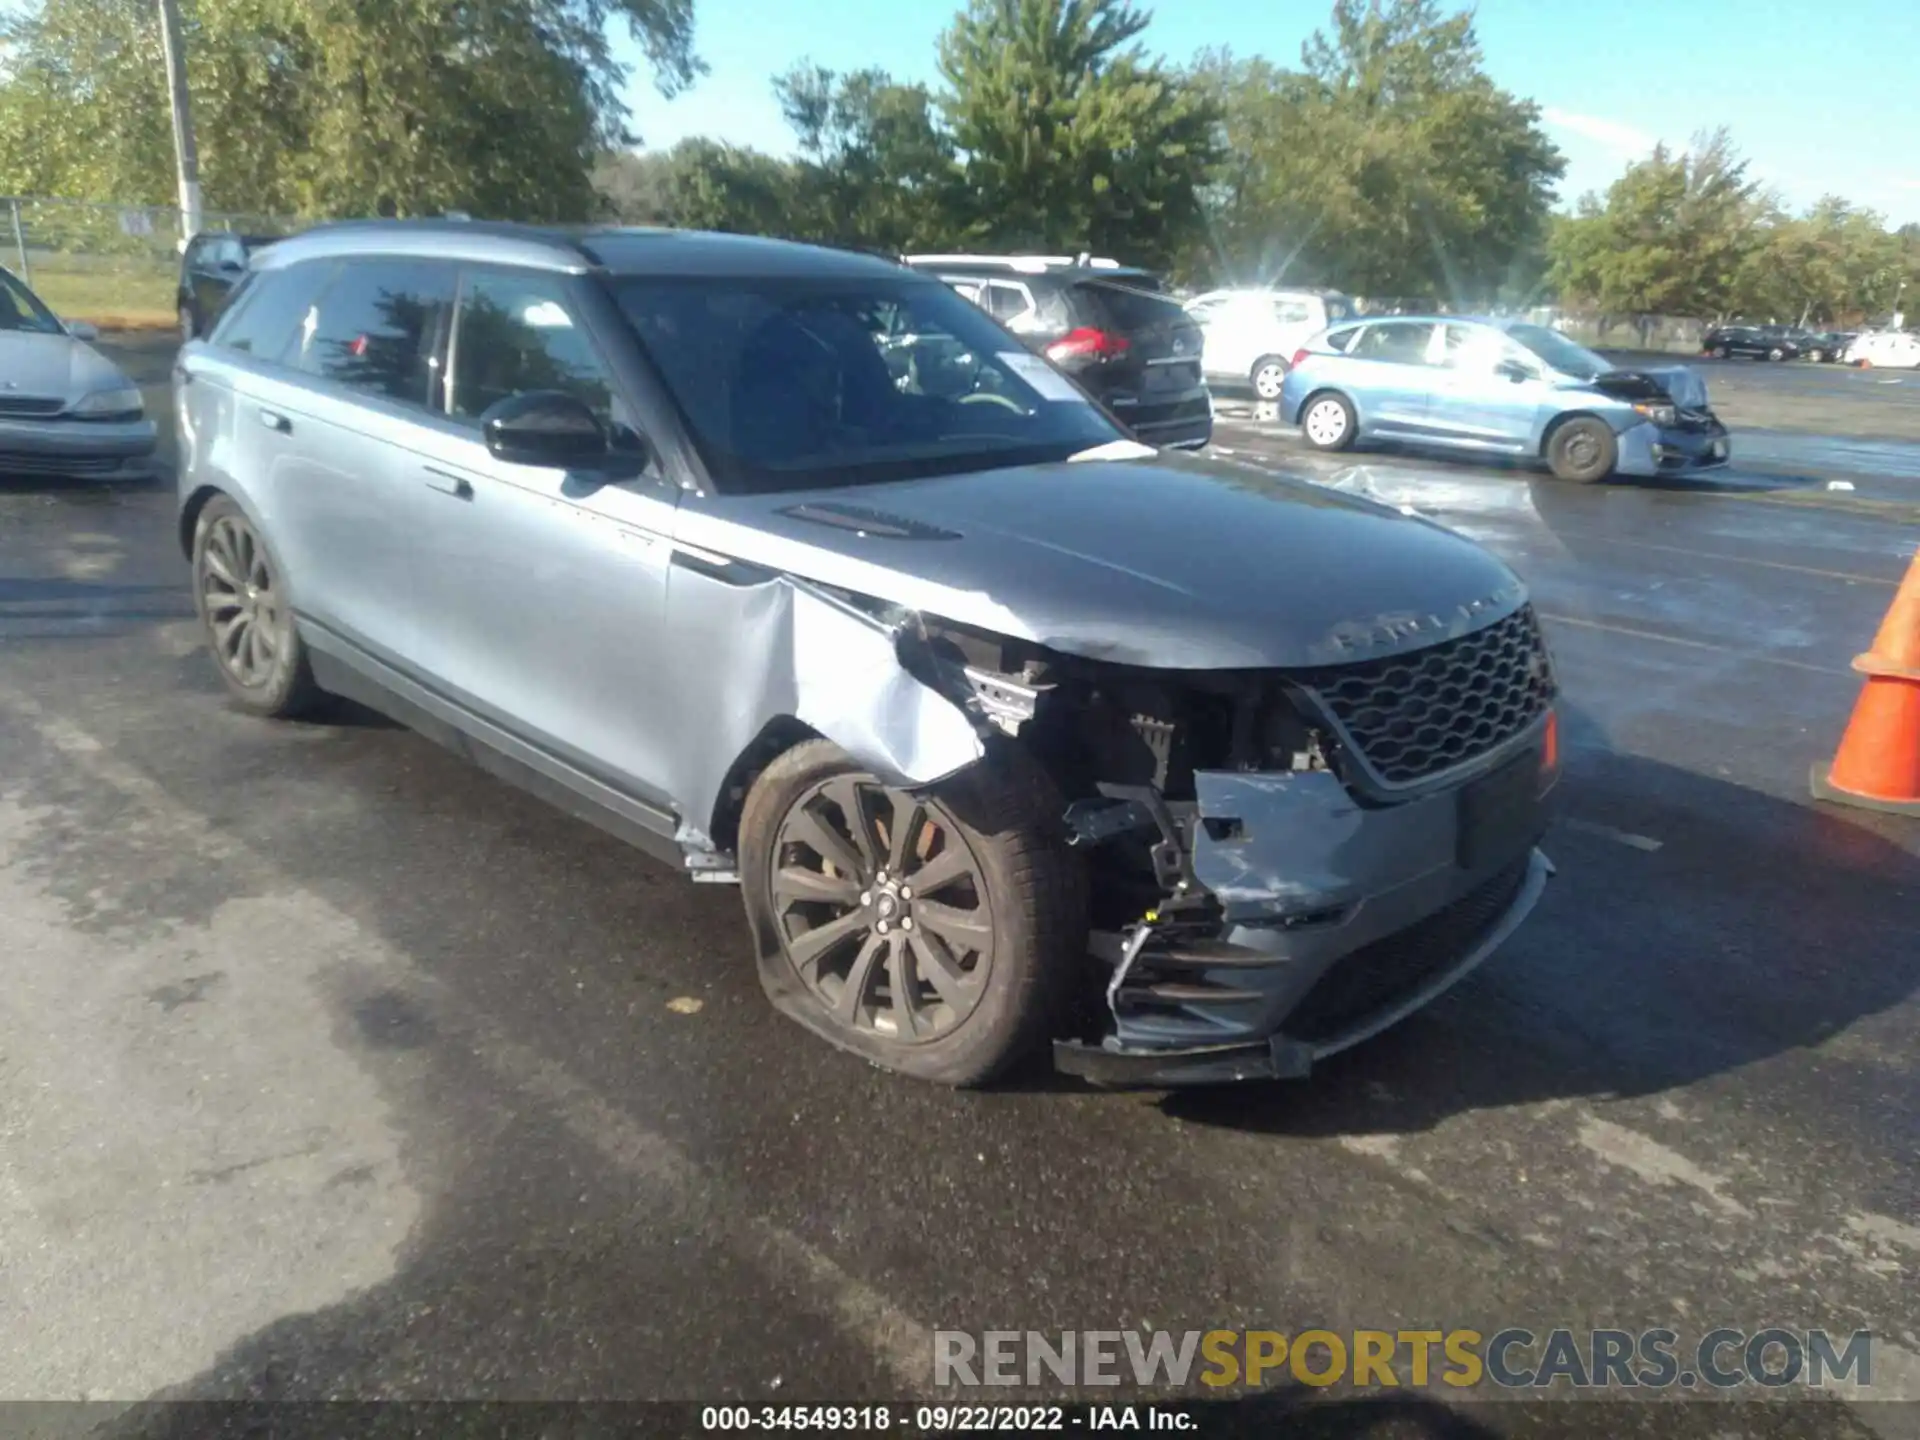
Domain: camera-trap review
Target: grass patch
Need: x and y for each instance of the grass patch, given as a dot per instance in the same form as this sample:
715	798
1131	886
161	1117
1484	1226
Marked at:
127	296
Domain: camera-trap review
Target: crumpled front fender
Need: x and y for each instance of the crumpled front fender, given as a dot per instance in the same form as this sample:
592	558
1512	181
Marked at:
754	650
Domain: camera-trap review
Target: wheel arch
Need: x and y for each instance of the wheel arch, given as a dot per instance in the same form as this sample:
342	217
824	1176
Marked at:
191	507
776	738
1560	422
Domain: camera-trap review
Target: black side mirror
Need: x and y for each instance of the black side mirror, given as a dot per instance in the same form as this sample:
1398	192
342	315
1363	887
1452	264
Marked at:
544	427
1513	370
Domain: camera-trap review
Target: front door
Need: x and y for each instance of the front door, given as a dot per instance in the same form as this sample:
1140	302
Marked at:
544	590
1487	391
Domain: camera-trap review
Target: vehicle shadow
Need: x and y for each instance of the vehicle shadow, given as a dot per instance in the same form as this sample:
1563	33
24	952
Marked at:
90	604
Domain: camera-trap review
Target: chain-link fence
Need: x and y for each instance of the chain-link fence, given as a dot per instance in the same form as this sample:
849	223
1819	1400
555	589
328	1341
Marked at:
111	264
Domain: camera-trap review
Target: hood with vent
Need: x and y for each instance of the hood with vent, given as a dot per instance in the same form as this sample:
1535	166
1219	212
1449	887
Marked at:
1169	562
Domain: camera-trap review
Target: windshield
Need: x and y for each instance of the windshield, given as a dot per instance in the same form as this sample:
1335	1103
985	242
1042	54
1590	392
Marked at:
1558	351
792	384
20	309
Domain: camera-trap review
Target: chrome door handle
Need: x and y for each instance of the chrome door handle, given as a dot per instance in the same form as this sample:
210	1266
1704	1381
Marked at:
274	420
455	485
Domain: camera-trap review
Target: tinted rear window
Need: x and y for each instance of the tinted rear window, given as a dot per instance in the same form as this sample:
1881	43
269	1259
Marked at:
268	308
1124	308
378	325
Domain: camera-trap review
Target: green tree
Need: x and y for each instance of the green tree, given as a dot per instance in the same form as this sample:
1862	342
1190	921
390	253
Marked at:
1820	266
332	106
1072	138
1389	163
1675	235
876	168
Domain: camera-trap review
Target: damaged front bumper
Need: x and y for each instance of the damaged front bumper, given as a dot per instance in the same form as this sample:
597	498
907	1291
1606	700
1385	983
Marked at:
1648	449
1325	919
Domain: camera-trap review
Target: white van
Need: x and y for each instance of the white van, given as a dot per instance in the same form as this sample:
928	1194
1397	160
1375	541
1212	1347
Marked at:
1251	335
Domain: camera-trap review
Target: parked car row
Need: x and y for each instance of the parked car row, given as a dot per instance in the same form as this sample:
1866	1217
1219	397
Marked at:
793	568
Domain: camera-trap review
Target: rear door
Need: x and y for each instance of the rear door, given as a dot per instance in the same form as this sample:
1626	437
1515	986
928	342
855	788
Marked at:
1158	371
1390	371
348	507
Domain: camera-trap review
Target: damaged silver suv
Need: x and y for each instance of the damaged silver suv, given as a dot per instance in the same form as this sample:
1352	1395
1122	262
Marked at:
792	567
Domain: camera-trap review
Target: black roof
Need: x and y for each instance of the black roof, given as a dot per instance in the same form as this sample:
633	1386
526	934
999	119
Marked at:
619	249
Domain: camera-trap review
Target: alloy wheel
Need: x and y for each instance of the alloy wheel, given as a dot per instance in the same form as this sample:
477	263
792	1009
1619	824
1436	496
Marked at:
882	909
1268	379
241	602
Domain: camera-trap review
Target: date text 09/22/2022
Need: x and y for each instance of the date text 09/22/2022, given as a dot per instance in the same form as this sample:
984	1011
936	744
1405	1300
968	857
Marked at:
946	1419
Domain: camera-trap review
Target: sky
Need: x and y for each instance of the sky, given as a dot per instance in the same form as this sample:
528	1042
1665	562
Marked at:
1795	83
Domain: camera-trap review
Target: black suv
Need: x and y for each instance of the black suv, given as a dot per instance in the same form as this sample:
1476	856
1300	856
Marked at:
1131	347
1763	342
214	262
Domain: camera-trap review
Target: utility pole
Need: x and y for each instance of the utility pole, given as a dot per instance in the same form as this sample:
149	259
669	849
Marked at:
186	154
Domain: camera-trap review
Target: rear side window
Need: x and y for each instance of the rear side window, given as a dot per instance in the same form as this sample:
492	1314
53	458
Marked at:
1123	308
377	328
1402	342
267	311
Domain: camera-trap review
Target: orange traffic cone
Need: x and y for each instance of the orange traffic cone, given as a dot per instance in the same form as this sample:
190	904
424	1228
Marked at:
1878	766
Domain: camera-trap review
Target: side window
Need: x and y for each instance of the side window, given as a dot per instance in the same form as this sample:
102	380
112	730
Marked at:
1292	312
269	310
226	252
1400	342
514	333
974	291
1473	347
1005	301
377	327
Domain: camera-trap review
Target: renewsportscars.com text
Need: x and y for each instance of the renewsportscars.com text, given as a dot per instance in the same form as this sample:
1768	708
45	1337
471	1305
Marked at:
1722	1359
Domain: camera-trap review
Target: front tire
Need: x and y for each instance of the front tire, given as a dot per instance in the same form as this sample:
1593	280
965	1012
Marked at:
935	933
1776	354
1583	450
1720	352
1267	376
244	608
1328	422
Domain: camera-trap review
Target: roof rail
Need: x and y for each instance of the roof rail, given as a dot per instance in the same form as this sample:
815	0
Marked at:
1025	264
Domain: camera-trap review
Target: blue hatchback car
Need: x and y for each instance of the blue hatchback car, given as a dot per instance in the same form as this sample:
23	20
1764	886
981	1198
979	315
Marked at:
1501	387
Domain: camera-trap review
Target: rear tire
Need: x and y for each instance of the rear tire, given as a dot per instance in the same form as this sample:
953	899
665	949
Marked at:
991	847
1776	354
1719	352
189	324
241	595
1328	422
1583	450
1267	376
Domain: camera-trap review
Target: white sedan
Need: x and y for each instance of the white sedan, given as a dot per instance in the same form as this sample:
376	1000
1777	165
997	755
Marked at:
1897	348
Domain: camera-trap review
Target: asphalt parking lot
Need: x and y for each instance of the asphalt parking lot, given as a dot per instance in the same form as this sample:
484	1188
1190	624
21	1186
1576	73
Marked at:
332	1067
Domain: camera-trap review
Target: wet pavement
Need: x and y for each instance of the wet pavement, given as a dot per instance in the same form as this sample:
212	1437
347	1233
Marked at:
332	1067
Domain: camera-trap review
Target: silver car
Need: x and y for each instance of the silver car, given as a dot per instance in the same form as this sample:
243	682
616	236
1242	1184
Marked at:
65	409
795	569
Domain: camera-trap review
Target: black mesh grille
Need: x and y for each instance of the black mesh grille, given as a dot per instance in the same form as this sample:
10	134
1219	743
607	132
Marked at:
1377	977
1417	714
31	405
